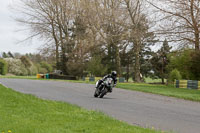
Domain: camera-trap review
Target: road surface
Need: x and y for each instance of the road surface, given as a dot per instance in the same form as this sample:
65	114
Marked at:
136	108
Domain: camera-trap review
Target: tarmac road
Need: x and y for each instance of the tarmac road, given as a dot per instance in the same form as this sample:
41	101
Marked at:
136	108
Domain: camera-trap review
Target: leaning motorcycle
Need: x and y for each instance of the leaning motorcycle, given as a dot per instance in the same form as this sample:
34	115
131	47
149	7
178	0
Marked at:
105	87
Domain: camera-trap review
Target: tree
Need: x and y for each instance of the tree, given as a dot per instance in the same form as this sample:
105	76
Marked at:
10	55
180	60
46	66
187	62
44	20
138	34
96	67
174	75
109	26
29	66
146	55
26	61
73	28
4	55
195	65
15	66
3	67
179	20
160	61
127	60
56	21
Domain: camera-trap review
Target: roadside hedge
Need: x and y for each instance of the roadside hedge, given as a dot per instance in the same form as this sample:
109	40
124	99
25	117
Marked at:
3	67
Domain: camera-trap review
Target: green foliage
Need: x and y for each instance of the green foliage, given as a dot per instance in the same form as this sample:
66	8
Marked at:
40	69
160	61
195	65
46	66
10	55
174	74
5	55
43	67
76	68
33	70
96	67
21	67
187	62
109	59
3	67
180	60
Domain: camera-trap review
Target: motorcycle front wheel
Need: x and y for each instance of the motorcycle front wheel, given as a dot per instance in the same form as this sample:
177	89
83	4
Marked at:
103	93
96	93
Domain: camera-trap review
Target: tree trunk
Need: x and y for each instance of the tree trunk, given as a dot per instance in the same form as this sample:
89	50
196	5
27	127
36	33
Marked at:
57	45
63	50
57	58
195	25
127	70
137	62
118	62
162	71
197	43
163	81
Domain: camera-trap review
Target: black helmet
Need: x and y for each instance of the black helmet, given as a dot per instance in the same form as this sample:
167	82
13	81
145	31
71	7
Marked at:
114	74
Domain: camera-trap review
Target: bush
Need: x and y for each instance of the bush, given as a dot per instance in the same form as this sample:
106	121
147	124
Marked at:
3	67
174	74
40	69
33	70
195	65
96	67
46	66
180	60
16	67
25	60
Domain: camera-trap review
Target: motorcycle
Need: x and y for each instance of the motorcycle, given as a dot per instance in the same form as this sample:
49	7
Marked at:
105	87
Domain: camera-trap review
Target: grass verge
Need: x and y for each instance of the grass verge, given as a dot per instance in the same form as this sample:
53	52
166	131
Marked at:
22	113
171	91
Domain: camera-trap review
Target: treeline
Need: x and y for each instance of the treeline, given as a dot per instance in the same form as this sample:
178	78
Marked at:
163	64
24	65
95	37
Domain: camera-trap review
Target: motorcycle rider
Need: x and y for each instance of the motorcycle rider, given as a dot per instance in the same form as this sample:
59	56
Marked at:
113	75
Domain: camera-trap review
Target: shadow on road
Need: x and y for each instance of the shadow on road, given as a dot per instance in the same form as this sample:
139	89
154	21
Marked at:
103	98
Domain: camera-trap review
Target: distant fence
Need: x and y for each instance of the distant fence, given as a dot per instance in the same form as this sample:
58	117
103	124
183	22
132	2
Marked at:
56	76
190	84
66	77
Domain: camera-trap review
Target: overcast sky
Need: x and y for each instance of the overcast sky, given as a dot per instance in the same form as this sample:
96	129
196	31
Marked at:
8	32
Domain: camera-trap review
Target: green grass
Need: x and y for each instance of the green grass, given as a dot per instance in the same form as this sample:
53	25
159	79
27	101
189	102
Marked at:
22	113
19	77
171	91
150	80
